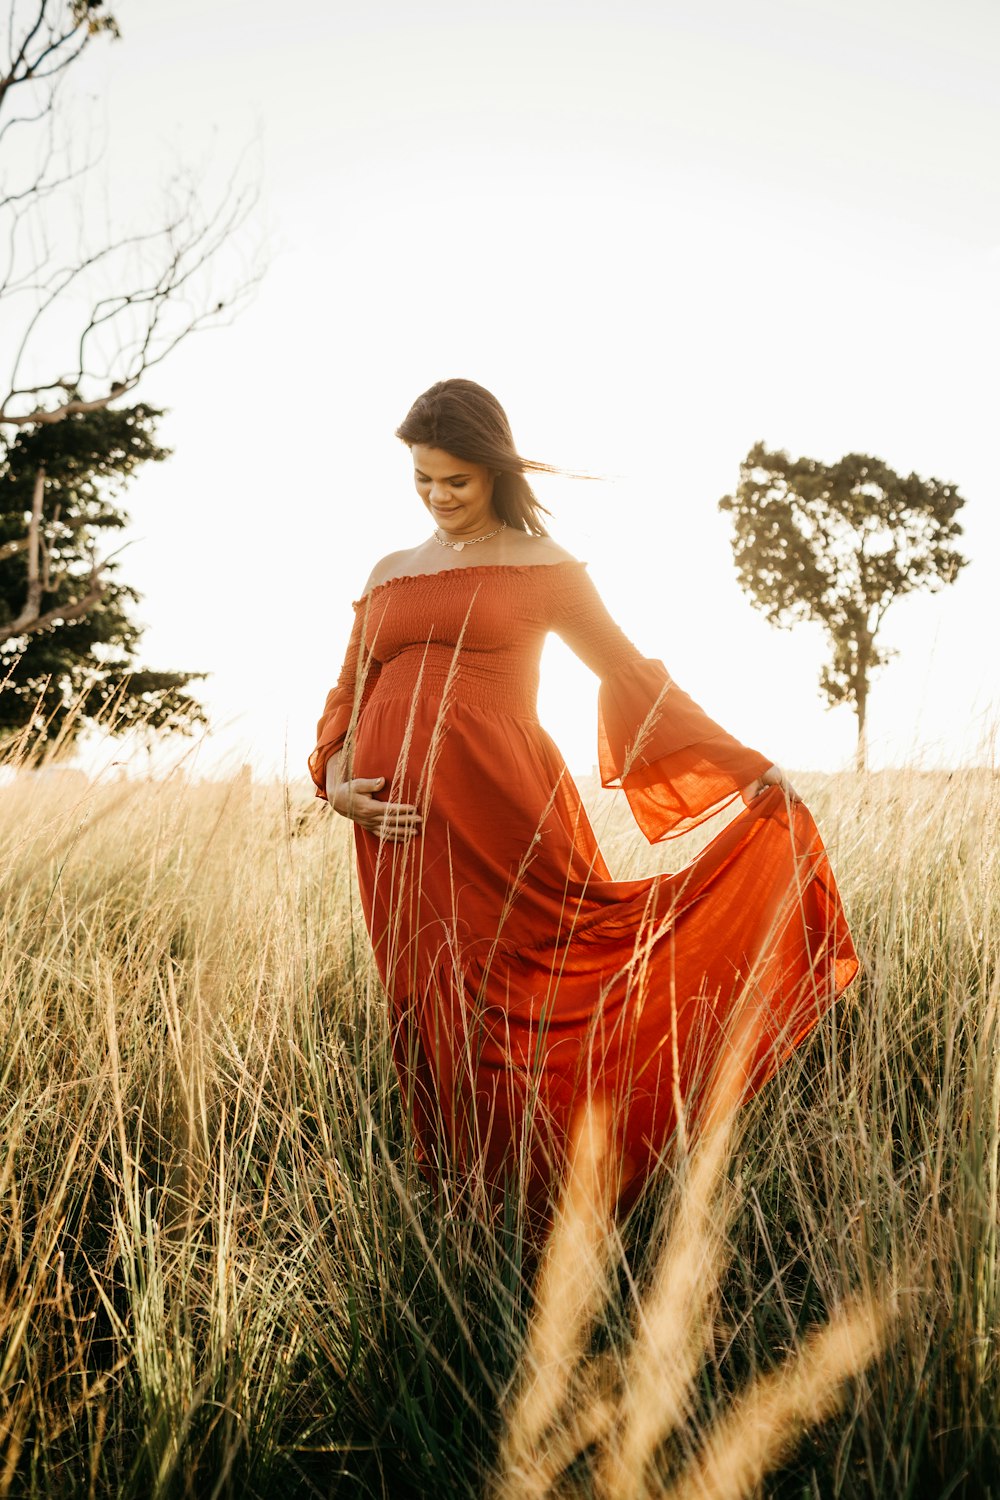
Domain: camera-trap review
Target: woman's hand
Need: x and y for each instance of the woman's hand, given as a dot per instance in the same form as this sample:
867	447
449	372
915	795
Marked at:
393	821
773	776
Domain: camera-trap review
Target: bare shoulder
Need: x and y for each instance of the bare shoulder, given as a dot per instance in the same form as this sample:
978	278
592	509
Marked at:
538	551
387	567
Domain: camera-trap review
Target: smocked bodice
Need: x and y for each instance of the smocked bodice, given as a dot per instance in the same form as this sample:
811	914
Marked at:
477	632
466	632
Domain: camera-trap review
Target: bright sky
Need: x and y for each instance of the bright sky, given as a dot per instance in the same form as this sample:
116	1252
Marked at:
659	230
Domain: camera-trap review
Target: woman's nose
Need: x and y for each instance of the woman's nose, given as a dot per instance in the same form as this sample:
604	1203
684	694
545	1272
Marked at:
439	492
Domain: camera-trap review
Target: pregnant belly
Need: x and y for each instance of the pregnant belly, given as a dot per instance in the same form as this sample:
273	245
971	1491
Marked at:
397	739
499	806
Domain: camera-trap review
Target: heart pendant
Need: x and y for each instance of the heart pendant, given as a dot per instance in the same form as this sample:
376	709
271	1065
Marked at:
457	546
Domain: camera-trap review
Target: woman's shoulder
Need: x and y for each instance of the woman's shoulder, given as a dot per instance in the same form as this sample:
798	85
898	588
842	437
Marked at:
536	550
387	567
520	549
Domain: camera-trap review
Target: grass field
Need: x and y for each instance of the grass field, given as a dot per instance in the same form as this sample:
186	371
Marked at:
221	1274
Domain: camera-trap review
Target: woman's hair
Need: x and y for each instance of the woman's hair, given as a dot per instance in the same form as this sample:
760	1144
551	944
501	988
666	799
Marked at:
465	419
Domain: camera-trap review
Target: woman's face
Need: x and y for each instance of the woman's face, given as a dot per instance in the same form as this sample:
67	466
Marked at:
458	494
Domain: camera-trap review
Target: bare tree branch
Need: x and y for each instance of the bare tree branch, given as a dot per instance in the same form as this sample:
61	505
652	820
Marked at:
63	613
33	598
145	316
54	53
11	77
130	299
24	120
32	619
49	533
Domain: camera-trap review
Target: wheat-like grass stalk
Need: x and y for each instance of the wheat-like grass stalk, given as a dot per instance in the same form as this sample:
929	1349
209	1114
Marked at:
221	1272
566	1406
572	1284
674	1319
769	1418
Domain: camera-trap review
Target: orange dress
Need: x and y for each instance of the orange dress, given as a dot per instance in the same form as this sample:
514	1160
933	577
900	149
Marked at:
520	977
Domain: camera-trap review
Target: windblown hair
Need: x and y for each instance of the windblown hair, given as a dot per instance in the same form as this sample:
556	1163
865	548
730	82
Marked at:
466	419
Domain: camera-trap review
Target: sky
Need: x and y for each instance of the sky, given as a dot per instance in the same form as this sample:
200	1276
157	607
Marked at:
659	232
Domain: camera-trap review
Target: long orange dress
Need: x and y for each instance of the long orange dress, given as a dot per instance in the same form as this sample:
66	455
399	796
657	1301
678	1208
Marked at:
521	978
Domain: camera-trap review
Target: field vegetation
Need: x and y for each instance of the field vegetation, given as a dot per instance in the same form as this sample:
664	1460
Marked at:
221	1274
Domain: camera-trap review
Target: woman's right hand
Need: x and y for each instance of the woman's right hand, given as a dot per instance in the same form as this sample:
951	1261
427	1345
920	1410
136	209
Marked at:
773	776
393	821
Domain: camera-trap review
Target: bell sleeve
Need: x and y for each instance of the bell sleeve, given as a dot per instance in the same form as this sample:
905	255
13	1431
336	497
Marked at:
345	702
677	766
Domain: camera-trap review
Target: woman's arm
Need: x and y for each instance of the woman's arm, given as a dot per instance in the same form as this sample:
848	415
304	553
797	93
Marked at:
329	763
676	764
344	704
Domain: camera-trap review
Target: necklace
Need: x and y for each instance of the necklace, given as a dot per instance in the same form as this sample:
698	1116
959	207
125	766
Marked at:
458	546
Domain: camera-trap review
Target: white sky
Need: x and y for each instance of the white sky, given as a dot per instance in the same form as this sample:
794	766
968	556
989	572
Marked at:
659	232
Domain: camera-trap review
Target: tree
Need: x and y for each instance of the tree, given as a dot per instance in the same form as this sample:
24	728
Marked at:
95	315
67	643
838	543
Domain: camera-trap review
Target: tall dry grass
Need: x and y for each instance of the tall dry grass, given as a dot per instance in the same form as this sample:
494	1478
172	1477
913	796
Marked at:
222	1275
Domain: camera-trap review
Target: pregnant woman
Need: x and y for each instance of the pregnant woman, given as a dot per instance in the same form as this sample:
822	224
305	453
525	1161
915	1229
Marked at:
522	980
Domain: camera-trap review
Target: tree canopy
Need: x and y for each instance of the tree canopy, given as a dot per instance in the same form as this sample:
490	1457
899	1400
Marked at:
87	310
67	640
838	543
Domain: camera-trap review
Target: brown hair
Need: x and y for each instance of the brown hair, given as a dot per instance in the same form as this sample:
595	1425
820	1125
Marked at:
466	419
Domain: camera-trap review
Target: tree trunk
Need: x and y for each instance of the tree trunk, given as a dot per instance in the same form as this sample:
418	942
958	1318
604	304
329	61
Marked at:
861	660
860	708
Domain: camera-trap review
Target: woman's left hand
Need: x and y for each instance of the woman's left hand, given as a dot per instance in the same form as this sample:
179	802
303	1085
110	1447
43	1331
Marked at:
773	776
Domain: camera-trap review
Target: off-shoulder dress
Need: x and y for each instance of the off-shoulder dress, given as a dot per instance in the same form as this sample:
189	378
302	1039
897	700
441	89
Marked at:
521	978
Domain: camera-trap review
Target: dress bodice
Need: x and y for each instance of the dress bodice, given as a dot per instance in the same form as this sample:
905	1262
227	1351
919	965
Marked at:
470	606
474	634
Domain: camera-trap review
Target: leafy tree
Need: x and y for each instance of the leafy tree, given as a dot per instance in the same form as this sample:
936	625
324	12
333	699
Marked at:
85	317
837	543
67	644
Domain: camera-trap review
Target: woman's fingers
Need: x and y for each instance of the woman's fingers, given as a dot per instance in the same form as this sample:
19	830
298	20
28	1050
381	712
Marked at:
401	823
773	776
393	821
390	820
786	786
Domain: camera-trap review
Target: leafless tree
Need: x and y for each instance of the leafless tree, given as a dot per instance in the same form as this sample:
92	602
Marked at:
108	307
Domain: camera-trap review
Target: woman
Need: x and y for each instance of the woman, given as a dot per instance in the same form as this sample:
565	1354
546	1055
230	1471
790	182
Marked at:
522	979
